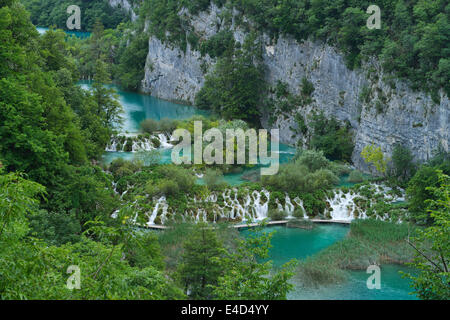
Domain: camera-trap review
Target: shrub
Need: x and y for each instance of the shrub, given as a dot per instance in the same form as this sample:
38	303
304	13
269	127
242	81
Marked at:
213	179
356	176
167	125
276	215
149	126
298	213
183	178
168	187
156	143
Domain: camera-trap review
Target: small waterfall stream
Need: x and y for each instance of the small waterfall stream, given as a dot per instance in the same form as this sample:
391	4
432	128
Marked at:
244	205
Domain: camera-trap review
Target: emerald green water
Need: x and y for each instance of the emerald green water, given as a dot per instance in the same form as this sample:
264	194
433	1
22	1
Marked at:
138	107
293	243
78	34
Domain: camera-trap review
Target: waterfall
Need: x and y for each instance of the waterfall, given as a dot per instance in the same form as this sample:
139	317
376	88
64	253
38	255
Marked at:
163	139
343	207
245	205
260	210
160	202
289	207
112	147
299	202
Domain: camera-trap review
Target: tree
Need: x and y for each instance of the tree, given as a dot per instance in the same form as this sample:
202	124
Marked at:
373	155
199	270
418	192
403	165
334	139
433	247
108	108
235	89
18	198
213	178
246	277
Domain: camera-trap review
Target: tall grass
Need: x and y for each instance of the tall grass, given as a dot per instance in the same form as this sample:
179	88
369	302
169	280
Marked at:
369	242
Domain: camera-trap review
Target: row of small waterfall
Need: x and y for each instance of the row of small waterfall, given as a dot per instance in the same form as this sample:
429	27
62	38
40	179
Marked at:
243	205
138	142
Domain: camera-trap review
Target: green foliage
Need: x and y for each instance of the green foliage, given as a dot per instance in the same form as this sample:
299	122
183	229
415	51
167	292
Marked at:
165	125
200	269
17	200
55	228
213	179
246	277
149	126
373	156
84	191
33	269
433	246
418	191
131	62
331	137
46	13
235	89
149	158
276	215
219	44
308	173
403	165
307	87
356	176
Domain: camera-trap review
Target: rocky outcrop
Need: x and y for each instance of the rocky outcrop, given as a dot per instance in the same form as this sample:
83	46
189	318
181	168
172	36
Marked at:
380	112
172	74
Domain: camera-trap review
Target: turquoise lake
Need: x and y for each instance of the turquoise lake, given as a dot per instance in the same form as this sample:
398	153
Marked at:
78	34
138	107
293	243
288	243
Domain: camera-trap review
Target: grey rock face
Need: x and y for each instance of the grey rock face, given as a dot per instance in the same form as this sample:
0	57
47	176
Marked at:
172	74
392	113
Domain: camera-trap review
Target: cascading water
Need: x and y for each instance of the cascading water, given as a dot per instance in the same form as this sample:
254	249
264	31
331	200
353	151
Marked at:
245	205
161	202
138	143
163	139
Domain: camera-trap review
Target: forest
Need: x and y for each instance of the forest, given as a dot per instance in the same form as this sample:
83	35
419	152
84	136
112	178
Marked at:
61	205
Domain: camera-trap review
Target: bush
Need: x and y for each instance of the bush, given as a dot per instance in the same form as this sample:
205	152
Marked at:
213	179
167	125
168	187
298	213
156	142
332	137
309	173
149	126
356	176
55	228
183	178
276	215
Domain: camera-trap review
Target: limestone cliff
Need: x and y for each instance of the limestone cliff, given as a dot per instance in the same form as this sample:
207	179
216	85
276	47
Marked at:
390	112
